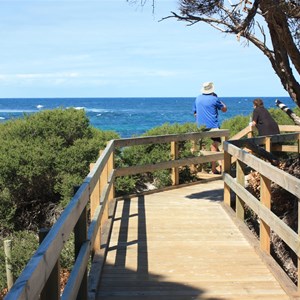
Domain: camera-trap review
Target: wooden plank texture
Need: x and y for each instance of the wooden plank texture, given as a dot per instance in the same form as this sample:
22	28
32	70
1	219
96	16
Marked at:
181	244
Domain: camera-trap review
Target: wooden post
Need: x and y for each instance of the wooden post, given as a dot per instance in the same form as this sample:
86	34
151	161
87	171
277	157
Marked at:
224	139
80	236
250	133
240	178
226	170
268	143
265	198
80	232
51	290
110	167
8	265
194	146
194	149
174	156
94	203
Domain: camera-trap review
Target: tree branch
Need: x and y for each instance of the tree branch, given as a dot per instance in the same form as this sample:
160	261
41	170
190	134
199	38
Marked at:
251	14
281	18
288	111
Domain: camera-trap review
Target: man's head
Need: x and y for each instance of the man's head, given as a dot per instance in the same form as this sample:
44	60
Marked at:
208	88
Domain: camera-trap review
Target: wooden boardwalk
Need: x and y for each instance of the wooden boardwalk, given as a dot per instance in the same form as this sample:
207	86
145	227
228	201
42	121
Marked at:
182	244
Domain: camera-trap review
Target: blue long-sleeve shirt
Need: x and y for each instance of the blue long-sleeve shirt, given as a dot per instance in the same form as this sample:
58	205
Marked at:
206	107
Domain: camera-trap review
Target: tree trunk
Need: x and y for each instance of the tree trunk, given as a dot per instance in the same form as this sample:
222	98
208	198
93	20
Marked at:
285	49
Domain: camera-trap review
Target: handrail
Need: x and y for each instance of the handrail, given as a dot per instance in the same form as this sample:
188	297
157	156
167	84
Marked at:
159	139
233	150
248	131
96	192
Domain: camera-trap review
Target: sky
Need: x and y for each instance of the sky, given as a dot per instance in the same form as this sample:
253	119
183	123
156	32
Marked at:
83	48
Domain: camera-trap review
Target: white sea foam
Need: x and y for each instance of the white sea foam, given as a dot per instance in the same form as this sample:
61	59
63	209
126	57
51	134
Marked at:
39	106
2	118
98	110
17	110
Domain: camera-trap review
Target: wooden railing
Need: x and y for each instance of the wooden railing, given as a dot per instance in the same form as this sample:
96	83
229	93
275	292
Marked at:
40	278
234	181
249	130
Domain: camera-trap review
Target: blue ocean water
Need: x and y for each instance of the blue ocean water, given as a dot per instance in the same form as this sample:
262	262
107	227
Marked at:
131	116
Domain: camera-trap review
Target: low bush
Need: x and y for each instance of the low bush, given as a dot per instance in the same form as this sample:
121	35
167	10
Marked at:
24	244
281	117
235	124
42	157
149	154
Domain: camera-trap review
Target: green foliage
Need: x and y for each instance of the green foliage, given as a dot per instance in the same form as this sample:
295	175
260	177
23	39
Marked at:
42	156
148	154
67	257
172	129
24	244
151	154
162	178
186	175
7	211
126	185
281	117
235	124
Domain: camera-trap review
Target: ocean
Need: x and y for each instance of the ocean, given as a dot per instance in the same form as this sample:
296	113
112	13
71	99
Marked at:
131	116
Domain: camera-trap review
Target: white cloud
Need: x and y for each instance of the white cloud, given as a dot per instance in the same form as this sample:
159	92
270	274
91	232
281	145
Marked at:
45	75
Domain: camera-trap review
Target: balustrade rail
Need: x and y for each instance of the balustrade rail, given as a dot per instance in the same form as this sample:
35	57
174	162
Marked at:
234	185
40	278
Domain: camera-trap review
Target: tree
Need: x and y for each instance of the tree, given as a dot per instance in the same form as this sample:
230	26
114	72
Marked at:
243	18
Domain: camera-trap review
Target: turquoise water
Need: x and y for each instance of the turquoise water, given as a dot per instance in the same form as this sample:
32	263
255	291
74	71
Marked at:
131	116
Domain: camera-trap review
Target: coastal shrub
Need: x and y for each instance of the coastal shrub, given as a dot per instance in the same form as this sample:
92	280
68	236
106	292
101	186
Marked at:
281	117
42	157
162	178
24	244
235	124
150	154
126	185
67	257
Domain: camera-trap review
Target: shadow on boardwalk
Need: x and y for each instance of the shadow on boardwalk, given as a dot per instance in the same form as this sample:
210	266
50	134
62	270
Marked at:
213	195
181	245
121	282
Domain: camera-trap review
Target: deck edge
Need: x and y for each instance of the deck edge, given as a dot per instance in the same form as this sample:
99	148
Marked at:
282	278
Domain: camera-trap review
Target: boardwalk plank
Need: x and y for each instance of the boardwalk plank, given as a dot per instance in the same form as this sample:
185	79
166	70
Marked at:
181	244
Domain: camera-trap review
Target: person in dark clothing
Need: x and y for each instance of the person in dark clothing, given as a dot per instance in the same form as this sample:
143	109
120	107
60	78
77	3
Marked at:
262	119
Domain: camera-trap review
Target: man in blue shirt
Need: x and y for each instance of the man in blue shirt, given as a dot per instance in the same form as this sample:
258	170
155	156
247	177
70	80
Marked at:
206	110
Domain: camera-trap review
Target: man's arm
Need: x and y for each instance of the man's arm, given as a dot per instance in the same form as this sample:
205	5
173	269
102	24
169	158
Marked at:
224	108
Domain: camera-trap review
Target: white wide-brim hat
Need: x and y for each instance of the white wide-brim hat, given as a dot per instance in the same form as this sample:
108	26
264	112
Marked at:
207	88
